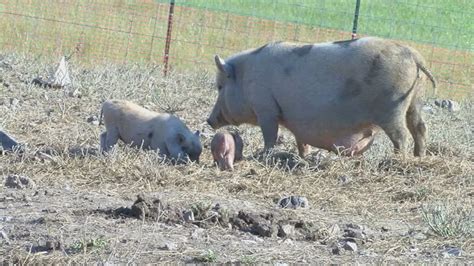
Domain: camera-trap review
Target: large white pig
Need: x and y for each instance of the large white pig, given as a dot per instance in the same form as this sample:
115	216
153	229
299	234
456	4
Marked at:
334	96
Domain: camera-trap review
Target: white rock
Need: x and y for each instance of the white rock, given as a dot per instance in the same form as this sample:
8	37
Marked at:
451	252
334	230
351	246
428	109
453	106
4	236
168	246
293	202
198	233
188	216
61	76
286	230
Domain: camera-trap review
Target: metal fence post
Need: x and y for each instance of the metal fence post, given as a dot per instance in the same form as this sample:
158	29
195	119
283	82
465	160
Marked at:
356	18
168	37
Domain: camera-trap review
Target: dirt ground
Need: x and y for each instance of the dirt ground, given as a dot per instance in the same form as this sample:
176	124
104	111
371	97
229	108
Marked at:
62	202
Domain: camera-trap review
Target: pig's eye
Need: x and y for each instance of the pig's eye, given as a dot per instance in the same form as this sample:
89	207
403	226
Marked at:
219	87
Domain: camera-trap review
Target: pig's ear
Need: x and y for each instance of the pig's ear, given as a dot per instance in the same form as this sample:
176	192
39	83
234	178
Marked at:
223	66
180	137
197	133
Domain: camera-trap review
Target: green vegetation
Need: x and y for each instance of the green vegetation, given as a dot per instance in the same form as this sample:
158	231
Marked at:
90	245
208	256
444	23
448	220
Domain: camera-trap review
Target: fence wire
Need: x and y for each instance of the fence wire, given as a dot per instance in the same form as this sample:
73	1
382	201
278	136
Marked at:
124	31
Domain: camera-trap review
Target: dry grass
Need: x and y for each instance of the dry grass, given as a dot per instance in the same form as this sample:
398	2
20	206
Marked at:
382	191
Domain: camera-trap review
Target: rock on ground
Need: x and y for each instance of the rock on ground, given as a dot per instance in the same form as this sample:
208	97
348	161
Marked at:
19	181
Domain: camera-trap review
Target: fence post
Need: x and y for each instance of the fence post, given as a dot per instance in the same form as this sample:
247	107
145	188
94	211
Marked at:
356	18
168	37
154	31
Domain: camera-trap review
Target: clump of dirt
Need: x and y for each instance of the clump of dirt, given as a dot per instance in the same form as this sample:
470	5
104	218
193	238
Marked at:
155	209
257	224
145	208
266	225
207	215
19	182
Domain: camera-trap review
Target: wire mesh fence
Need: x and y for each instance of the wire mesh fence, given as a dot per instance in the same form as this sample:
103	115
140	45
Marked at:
137	31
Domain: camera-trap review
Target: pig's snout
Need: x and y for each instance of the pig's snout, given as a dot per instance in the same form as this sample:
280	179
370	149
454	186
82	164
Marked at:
210	122
215	121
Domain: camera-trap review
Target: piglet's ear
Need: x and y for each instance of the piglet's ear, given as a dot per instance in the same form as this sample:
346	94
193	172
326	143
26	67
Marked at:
180	138
197	133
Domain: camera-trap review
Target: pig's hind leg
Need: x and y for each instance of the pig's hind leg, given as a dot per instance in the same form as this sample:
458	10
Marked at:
303	149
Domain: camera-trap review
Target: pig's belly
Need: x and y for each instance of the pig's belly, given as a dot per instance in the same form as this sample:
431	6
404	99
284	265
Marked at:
140	140
353	144
352	141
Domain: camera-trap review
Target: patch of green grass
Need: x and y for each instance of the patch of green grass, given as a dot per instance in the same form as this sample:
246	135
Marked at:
444	23
85	246
246	259
208	256
448	220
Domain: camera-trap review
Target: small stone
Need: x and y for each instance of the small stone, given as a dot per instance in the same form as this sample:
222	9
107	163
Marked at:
93	120
350	245
451	252
53	245
75	93
67	187
334	230
354	231
26	198
19	182
258	239
336	250
289	242
286	230
188	216
453	106
293	202
4	236
249	242
168	246
428	109
354	226
5	218
444	103
419	236
198	233
14	102
345	179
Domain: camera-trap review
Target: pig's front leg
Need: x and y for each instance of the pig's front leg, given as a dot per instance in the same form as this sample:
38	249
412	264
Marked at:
269	126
